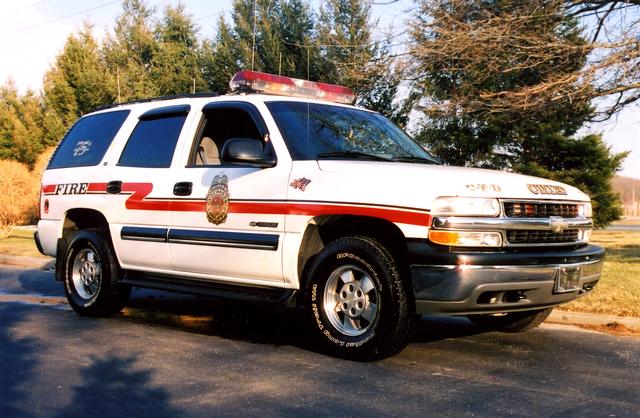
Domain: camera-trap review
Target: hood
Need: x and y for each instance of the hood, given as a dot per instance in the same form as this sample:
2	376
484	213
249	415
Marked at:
416	185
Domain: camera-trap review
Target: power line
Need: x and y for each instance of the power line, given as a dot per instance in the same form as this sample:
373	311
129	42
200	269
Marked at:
33	4
26	28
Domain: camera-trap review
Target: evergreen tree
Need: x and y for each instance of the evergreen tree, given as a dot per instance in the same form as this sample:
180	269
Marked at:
220	59
351	56
176	65
77	83
283	39
130	51
461	133
296	25
20	125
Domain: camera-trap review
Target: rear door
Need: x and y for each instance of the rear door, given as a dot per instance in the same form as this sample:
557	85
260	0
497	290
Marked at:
140	185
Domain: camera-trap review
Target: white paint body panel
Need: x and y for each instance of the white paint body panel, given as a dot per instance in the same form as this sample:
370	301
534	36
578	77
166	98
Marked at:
407	186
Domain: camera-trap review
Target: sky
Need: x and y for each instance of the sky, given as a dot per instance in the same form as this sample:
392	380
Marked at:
33	32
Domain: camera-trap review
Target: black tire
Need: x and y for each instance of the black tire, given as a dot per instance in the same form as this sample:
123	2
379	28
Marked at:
511	322
90	275
364	319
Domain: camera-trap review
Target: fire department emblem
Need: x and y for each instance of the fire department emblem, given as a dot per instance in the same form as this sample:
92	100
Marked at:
218	200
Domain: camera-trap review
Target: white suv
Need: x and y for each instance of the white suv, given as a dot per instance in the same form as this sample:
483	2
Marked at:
284	193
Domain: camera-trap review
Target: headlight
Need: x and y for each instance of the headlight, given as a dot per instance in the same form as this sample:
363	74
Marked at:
465	238
466	206
585	210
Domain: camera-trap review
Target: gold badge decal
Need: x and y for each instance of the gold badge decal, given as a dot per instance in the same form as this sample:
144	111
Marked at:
218	200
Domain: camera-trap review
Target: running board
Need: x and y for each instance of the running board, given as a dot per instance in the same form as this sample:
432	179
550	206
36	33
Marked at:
211	289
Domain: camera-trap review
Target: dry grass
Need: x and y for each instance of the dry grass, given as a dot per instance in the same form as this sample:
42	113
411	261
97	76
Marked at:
628	221
19	242
618	292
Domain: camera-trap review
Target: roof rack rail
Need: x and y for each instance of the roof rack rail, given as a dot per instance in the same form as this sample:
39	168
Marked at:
157	99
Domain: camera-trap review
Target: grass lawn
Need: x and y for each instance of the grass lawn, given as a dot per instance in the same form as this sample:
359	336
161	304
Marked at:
20	242
618	292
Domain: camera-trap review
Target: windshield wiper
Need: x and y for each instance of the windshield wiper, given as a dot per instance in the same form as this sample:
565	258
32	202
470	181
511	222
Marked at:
351	154
412	159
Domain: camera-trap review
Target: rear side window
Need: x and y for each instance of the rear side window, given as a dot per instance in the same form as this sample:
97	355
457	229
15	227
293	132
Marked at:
87	141
152	142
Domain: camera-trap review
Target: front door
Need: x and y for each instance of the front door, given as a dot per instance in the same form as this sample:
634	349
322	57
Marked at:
228	225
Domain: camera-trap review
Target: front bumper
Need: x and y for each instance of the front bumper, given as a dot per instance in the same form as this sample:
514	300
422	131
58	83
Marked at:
454	282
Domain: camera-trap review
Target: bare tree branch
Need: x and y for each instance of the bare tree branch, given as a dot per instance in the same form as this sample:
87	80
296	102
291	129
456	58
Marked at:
457	37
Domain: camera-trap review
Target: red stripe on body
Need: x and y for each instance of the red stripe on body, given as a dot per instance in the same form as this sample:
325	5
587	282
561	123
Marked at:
97	187
393	215
141	190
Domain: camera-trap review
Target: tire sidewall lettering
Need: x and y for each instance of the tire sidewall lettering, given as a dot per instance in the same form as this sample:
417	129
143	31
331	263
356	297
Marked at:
317	290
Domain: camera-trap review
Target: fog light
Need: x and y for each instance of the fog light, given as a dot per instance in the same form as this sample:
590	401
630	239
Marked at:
466	239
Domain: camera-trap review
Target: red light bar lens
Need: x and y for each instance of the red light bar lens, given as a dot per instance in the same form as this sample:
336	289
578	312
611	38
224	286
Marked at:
287	86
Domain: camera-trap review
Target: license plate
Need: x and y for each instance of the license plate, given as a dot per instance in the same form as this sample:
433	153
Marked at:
568	279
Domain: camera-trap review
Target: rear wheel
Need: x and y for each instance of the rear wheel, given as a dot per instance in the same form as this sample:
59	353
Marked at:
511	322
90	274
358	305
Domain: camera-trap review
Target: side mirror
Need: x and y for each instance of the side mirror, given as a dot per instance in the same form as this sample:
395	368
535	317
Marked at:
246	151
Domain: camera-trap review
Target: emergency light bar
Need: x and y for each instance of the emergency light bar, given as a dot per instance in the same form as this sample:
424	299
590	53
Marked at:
287	86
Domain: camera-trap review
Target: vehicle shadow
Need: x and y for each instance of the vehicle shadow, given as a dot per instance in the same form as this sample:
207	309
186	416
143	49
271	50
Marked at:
257	323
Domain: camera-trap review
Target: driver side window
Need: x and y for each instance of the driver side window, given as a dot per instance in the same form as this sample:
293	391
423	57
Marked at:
218	126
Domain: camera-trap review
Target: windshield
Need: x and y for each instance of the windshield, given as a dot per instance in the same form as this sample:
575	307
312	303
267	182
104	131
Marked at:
315	131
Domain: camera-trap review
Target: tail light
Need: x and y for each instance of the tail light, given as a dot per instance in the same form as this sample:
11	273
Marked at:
38	214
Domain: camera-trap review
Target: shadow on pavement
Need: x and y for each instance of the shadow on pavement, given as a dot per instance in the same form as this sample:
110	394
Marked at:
255	323
114	387
18	356
18	281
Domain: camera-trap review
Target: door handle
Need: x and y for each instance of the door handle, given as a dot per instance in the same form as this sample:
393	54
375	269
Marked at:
114	187
182	188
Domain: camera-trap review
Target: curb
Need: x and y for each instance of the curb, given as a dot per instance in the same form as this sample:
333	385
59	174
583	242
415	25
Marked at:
598	320
29	262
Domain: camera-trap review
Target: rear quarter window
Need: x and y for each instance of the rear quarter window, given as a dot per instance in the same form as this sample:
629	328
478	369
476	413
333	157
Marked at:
88	140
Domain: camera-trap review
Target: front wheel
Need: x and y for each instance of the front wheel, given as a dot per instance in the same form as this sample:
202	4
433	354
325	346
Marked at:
511	322
90	274
357	303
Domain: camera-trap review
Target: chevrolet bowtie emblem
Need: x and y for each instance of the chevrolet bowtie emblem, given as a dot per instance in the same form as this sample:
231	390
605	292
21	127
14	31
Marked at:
558	223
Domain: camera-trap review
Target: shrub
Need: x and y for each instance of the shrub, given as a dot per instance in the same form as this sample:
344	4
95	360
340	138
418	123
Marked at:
17	188
38	168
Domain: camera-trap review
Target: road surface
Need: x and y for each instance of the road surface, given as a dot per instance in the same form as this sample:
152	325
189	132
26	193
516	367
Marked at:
171	355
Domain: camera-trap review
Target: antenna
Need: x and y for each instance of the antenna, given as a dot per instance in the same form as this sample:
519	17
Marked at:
253	46
118	81
308	69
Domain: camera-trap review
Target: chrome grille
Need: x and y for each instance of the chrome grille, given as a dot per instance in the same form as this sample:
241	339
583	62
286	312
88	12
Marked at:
524	236
540	210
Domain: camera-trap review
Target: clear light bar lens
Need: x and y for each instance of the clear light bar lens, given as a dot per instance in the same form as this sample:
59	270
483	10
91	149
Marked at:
287	86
